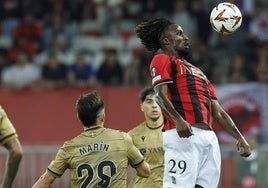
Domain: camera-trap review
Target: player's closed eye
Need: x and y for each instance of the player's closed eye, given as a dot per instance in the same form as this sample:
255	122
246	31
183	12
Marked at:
149	101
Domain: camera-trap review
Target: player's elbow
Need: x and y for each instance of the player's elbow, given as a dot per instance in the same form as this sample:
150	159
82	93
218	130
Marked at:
15	152
147	173
144	173
16	155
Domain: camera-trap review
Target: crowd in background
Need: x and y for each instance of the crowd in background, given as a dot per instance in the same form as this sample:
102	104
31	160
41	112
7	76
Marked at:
48	44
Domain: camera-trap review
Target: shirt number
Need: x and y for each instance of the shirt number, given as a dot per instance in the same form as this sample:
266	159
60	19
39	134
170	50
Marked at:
177	166
87	169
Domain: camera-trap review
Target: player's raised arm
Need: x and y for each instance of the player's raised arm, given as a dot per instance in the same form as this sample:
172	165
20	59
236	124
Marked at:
226	122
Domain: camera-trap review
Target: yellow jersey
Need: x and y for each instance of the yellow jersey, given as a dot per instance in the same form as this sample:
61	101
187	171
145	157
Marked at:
150	143
98	157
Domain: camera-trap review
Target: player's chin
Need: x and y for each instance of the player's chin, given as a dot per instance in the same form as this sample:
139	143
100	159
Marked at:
184	52
155	116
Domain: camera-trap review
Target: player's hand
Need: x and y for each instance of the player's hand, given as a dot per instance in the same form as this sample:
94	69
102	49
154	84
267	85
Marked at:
243	147
184	129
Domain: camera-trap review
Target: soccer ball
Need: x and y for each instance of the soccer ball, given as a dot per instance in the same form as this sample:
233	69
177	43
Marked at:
225	18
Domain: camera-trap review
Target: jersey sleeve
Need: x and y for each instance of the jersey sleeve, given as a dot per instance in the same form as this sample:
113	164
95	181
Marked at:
58	166
160	69
7	130
212	91
133	154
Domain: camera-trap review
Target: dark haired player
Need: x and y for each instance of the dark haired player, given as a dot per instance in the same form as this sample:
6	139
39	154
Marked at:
184	93
99	156
147	137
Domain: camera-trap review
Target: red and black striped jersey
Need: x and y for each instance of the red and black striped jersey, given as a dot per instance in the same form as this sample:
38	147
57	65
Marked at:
189	89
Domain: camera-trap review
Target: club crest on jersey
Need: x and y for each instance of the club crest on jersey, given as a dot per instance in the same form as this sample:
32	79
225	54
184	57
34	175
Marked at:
92	134
153	72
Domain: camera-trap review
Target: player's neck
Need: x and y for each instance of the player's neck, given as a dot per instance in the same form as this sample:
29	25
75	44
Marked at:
155	124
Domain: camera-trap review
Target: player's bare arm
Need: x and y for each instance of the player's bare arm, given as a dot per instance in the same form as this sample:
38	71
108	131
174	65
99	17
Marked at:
45	181
183	128
143	169
15	154
229	126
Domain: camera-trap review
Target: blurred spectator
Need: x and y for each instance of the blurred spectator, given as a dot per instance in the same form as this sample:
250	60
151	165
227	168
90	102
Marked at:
29	29
238	70
182	16
9	15
22	74
110	72
81	9
206	62
109	15
262	66
60	47
19	45
81	73
259	24
252	171
54	74
57	28
63	50
10	9
216	75
3	63
155	8
202	20
137	71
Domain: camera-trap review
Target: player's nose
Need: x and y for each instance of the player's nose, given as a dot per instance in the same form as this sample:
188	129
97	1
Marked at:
185	37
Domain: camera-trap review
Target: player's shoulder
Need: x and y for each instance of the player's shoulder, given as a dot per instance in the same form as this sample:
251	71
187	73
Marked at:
117	134
121	136
115	131
161	56
2	112
77	140
137	128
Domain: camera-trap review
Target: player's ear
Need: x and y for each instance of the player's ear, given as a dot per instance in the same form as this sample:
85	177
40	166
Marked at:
164	40
101	118
141	106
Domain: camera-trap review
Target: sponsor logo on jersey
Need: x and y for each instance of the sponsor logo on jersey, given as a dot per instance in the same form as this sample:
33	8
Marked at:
151	150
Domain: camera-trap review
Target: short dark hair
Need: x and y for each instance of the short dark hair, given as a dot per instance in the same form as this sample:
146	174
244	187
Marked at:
145	92
88	107
150	32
